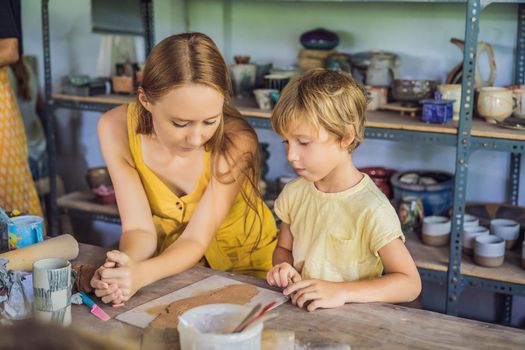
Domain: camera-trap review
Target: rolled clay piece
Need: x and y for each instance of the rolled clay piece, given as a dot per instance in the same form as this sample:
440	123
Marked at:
85	273
64	246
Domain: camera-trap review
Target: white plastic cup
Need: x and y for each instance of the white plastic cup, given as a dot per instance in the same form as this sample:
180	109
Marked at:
210	327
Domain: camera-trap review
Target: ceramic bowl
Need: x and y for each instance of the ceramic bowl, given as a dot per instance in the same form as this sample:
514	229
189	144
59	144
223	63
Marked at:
470	221
411	91
436	230
469	235
319	39
99	182
489	250
507	229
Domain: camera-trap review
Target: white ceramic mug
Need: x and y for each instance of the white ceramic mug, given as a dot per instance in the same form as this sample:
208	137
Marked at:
452	92
52	290
495	103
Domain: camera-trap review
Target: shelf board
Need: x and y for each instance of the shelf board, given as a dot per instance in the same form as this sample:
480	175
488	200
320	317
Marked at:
436	258
377	119
85	201
111	99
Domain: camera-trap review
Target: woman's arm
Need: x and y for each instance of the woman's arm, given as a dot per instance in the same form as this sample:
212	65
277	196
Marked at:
401	283
139	239
8	51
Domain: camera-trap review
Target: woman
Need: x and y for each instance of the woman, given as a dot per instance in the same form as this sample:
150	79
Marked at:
185	168
17	189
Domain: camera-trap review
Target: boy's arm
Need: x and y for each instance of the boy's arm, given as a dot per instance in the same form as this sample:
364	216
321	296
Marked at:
401	283
283	250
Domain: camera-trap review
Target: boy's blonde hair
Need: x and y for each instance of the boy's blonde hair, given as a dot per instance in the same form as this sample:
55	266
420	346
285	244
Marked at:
323	98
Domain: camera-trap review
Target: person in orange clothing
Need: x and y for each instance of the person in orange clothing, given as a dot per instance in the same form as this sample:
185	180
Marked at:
185	167
17	189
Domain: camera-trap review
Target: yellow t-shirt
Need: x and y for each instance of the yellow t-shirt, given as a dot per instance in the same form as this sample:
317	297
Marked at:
235	247
337	236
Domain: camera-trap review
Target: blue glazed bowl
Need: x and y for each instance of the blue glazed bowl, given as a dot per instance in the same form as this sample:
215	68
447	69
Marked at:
437	110
436	198
319	39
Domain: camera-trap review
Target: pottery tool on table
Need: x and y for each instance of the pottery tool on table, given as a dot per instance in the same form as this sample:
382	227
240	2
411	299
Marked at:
22	259
254	316
204	291
95	309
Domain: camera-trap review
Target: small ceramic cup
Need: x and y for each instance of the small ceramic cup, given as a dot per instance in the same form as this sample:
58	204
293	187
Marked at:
263	98
436	230
489	250
452	92
469	235
507	229
470	221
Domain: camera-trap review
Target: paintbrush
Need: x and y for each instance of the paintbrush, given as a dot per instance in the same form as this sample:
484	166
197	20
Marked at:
247	318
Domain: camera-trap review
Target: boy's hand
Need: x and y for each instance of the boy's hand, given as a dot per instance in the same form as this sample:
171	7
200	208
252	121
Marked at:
281	274
316	294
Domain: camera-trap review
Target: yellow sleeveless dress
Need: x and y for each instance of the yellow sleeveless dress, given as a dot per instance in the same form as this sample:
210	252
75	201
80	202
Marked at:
232	249
17	189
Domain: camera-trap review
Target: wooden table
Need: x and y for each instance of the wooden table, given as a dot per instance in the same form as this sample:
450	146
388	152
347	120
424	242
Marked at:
362	326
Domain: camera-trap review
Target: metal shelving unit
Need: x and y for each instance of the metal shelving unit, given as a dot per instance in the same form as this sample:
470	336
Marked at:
467	137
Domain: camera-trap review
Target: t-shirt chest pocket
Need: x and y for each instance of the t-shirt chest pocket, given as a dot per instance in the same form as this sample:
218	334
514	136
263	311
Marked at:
343	254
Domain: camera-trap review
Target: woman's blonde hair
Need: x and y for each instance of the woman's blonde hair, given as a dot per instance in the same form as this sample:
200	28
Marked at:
322	98
193	58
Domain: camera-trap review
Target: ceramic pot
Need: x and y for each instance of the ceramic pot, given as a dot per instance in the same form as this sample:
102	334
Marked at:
452	92
411	91
436	230
243	79
436	196
381	177
489	250
495	103
438	110
263	98
519	95
376	68
319	39
469	235
507	229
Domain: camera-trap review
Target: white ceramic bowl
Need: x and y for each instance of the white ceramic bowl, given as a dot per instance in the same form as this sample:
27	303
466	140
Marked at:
505	228
470	233
489	246
470	221
489	250
436	225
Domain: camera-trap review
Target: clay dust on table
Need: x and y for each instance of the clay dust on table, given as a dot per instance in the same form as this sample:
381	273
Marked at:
233	294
